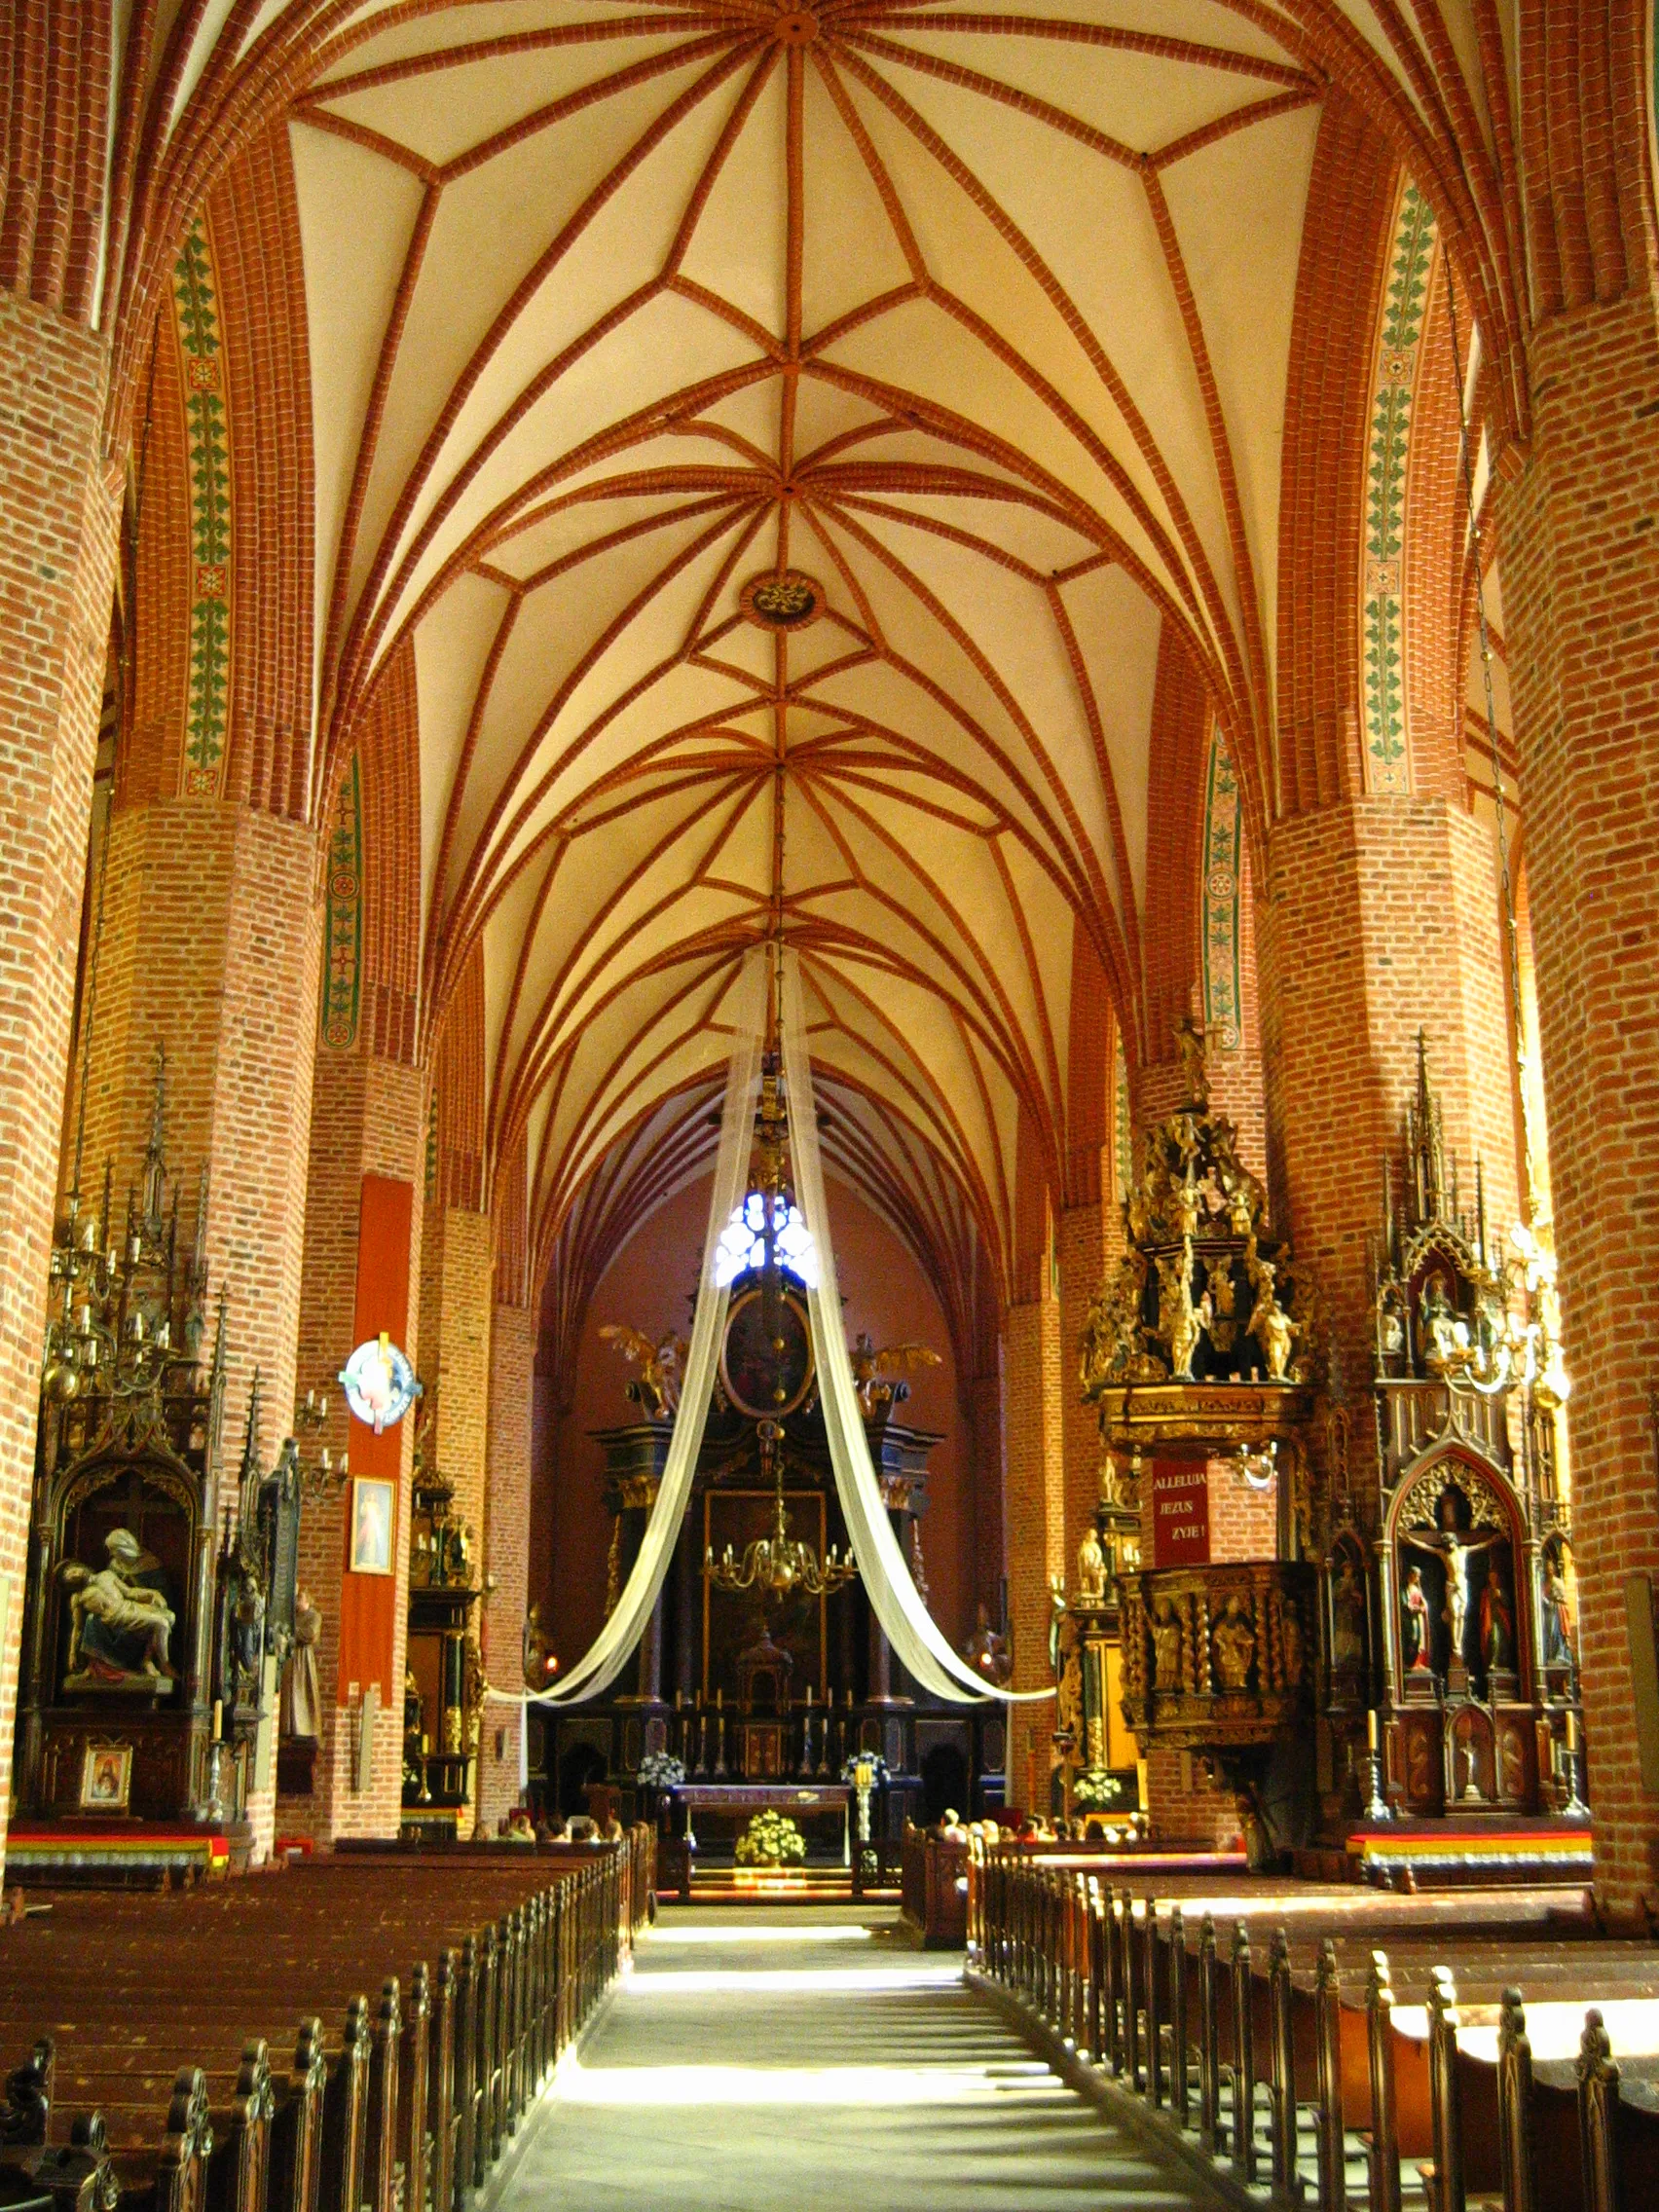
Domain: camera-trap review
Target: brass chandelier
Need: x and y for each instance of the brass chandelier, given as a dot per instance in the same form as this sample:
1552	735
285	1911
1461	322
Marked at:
779	1565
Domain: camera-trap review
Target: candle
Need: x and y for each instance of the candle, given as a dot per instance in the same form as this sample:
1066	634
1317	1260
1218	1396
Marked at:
719	1700
1571	1731
1371	1732
219	1720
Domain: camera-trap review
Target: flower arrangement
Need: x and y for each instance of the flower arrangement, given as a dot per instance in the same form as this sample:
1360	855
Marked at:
769	1840
1094	1788
659	1770
878	1768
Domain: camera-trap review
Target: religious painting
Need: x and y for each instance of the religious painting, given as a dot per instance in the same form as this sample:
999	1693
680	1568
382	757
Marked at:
736	1621
106	1778
374	1503
766	1376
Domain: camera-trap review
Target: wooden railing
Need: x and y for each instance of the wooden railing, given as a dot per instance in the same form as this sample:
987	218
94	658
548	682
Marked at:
1328	2069
406	2109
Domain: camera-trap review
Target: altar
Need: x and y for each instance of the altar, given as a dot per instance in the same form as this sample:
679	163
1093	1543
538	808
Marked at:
822	1813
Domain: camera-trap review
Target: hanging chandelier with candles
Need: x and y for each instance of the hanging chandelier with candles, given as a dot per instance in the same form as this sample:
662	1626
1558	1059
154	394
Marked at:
779	1565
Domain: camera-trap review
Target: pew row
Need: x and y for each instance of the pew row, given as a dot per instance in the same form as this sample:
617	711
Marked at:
221	2051
1314	2049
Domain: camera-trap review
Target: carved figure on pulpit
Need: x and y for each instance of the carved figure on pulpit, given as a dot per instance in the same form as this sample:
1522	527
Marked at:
1178	1313
1497	1623
1091	1568
1233	1642
1413	1623
1221	1306
121	1625
1290	1645
1166	1645
1190	1051
1269	1324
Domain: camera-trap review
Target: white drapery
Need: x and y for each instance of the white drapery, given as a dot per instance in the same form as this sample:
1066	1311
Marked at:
917	1640
603	1660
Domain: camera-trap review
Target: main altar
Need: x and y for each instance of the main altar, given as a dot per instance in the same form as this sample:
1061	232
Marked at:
762	1664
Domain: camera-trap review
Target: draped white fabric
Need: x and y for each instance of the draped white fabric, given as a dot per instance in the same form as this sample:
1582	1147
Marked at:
605	1659
916	1638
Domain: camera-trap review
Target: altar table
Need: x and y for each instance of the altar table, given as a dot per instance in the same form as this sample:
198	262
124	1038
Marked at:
728	1807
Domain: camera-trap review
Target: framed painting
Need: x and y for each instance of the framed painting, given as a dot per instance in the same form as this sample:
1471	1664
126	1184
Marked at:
106	1778
374	1514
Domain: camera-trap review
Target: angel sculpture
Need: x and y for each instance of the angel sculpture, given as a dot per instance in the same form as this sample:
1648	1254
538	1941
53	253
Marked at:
871	1369
656	1389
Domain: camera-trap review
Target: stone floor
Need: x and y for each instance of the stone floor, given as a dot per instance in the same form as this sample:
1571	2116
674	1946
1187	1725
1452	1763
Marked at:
813	2057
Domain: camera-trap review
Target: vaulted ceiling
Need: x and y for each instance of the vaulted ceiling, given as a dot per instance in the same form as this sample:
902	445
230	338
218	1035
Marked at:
972	329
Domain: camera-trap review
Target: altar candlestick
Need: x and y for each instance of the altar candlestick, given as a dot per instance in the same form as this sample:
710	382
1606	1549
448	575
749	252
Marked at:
1372	1735
219	1720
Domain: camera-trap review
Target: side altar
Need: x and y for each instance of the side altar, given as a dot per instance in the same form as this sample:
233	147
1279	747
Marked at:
1392	1674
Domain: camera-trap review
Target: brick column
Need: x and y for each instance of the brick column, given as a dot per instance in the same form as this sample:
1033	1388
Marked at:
506	1547
456	1295
1381	917
1035	1514
366	1119
58	522
1580	554
212	938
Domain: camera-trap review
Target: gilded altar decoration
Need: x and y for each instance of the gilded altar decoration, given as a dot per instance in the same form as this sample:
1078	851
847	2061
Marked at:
655	1389
876	1370
1206	1293
444	1692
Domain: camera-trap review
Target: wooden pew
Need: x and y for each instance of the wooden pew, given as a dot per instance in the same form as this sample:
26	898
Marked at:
416	2100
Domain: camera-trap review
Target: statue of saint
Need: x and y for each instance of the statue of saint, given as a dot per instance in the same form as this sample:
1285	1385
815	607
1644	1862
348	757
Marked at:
302	1696
1269	1324
1413	1623
1177	1312
1347	1616
121	1626
1233	1643
1558	1617
1090	1567
1497	1625
1290	1639
1443	1338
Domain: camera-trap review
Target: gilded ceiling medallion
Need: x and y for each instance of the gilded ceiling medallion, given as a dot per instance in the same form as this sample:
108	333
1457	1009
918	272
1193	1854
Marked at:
781	602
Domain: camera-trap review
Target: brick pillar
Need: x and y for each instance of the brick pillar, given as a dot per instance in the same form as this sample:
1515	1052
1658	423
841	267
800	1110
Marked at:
456	1294
991	1555
212	938
58	545
1035	1513
506	1548
1581	606
1381	917
366	1119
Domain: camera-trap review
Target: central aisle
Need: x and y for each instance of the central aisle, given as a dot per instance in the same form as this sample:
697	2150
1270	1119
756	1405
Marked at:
792	2059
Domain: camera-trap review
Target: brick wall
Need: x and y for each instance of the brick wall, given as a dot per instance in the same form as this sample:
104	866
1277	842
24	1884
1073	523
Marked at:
1580	552
1379	916
366	1119
506	1548
456	1294
57	542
